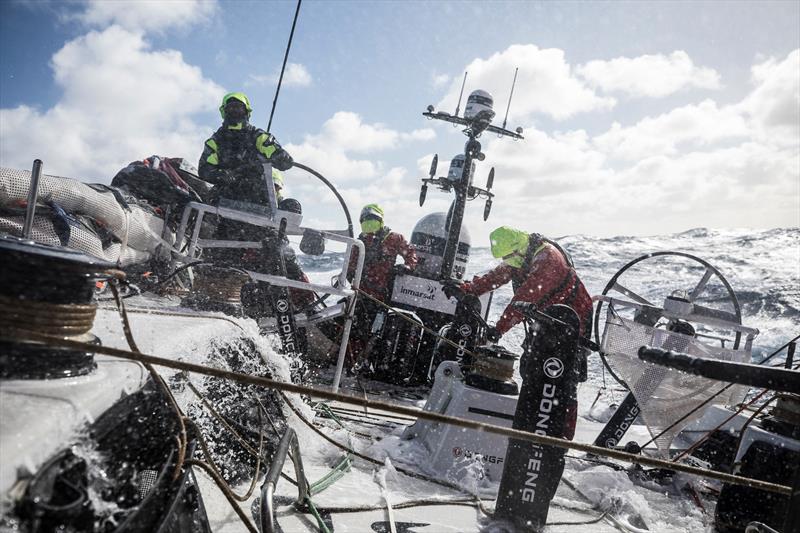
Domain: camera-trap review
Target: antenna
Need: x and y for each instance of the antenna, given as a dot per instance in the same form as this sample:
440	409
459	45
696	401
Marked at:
513	83
458	105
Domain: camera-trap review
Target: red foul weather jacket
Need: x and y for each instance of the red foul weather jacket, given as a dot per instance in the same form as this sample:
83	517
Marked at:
381	251
544	280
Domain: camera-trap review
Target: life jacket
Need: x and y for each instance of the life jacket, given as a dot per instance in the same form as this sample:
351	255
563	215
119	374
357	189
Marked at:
569	286
374	251
236	147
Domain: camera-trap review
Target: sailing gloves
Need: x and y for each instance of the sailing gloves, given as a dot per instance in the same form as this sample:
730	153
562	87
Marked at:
400	270
452	288
492	335
282	160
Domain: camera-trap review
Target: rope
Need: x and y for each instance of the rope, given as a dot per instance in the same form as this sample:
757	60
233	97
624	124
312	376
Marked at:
53	319
404	410
372	460
242	441
707	401
158	312
283	68
210	461
493	368
708	434
611	519
755	414
226	491
182	438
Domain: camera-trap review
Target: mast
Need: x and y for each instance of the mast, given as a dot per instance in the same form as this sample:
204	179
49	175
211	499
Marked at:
472	150
477	118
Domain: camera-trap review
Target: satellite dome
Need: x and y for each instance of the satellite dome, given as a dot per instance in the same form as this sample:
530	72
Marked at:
480	106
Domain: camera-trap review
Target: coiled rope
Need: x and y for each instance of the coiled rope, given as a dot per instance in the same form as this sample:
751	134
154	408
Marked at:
52	319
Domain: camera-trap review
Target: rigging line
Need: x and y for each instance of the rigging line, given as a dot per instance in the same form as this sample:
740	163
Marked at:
210	461
708	434
715	395
161	283
246	445
283	68
372	460
159	312
183	439
224	489
454	502
594	505
19	336
755	414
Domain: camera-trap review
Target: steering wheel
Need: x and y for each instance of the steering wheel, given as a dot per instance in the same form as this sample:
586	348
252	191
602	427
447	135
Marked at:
644	281
349	230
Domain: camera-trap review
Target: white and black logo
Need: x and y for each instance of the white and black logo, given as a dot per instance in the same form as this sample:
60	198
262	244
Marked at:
282	306
465	330
553	368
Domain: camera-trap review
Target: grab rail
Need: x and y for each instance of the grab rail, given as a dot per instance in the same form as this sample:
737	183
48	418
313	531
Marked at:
266	513
293	228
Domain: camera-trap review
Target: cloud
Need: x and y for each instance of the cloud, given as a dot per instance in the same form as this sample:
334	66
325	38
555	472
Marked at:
345	133
545	84
653	76
679	129
703	164
121	101
296	75
345	151
146	16
439	80
774	105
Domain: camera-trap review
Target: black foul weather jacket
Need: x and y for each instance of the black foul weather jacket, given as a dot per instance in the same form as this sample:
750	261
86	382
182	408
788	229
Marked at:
232	160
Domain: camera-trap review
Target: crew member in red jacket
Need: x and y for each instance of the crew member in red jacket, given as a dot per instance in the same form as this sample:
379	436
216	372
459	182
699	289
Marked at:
382	246
541	273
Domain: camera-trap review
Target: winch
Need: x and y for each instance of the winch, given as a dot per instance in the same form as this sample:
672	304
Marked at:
46	290
493	370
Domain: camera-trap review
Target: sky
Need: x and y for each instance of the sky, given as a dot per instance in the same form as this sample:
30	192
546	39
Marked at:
639	117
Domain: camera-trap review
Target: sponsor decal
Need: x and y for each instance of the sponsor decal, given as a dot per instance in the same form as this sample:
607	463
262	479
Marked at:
553	368
287	333
464	330
429	294
534	465
482	457
282	306
630	416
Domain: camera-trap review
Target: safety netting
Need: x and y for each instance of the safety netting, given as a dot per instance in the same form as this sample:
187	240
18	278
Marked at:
666	395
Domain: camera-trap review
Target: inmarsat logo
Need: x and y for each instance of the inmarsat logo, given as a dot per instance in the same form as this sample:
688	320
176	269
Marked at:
465	330
282	306
553	368
429	294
